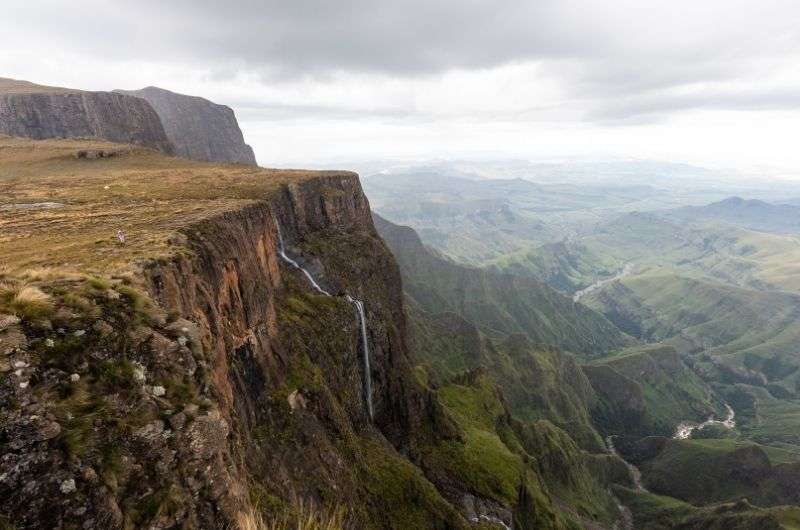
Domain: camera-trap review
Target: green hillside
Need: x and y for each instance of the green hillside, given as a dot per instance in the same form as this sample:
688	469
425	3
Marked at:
706	471
498	304
537	382
647	390
514	462
746	336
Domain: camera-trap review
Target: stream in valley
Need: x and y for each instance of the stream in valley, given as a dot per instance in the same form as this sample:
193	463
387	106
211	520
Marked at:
685	429
627	269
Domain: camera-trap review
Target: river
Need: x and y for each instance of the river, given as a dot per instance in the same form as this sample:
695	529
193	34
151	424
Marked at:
627	269
685	429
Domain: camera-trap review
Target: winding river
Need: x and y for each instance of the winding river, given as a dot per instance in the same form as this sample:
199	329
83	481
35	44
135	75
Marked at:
685	429
627	269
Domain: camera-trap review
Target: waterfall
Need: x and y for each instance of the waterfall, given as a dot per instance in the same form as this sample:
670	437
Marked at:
367	372
293	263
362	319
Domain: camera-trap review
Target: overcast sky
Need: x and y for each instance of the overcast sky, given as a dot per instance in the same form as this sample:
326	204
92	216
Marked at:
713	82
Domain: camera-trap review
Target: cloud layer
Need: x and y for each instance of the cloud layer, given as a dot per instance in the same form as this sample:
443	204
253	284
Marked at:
601	63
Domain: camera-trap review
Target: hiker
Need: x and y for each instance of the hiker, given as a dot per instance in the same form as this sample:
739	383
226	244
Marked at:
121	236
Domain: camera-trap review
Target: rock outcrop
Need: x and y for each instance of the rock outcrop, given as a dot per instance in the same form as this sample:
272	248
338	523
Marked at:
40	112
199	129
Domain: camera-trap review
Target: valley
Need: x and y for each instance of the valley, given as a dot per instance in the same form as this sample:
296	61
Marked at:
706	291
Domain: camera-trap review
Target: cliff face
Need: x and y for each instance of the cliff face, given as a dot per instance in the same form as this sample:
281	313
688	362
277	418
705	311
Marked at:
198	128
220	381
37	112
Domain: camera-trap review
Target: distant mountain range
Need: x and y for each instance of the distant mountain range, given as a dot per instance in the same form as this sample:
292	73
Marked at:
752	214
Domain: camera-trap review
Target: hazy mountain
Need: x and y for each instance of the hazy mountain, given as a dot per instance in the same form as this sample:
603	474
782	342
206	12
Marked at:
753	214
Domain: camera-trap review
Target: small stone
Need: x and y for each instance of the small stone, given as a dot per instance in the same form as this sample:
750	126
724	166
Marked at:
23	385
177	421
18	373
89	474
68	486
103	328
20	364
159	391
296	400
80	333
138	373
12	340
49	343
182	340
6	321
75	378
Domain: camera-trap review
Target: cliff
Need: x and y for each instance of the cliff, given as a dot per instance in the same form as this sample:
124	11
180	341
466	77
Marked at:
199	129
39	112
190	375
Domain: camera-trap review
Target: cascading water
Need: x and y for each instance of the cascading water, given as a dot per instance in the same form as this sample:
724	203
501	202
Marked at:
362	319
293	263
365	348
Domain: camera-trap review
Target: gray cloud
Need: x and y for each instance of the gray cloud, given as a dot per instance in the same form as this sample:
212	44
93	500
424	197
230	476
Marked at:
615	60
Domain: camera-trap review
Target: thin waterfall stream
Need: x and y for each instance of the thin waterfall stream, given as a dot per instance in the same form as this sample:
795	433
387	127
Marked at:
365	343
360	313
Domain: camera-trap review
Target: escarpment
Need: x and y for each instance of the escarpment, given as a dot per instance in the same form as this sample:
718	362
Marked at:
213	383
199	129
39	112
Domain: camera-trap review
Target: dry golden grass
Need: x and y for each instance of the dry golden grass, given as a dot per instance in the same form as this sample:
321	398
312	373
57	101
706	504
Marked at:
30	294
145	194
303	516
25	301
17	86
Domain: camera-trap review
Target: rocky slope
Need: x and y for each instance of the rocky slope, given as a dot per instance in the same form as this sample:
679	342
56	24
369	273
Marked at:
39	112
198	128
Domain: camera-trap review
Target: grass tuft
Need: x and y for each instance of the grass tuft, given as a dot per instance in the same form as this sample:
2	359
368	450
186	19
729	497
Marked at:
30	302
301	516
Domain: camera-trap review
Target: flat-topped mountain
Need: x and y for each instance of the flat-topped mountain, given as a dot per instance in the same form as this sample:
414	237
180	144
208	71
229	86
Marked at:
42	112
198	128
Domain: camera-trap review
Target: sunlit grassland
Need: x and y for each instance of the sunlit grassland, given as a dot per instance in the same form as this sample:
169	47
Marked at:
147	195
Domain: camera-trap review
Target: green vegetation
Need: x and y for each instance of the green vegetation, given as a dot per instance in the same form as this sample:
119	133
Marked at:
498	304
658	512
648	390
497	457
721	470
